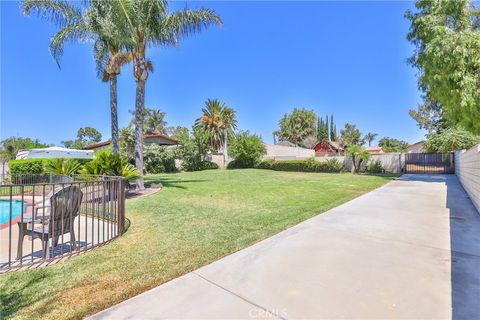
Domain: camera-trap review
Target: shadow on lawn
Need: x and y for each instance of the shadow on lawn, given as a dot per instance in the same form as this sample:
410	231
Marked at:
12	301
173	182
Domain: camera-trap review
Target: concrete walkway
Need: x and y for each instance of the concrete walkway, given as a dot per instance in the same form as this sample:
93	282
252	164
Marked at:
410	249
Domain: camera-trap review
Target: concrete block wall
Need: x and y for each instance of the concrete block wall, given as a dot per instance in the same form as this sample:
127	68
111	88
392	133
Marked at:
287	153
467	169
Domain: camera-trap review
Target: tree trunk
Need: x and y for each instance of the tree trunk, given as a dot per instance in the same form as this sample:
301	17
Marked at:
139	114
113	113
225	149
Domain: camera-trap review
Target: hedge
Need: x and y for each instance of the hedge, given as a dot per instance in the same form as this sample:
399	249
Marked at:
34	166
308	165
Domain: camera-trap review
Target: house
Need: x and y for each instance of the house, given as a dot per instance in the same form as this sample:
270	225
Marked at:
54	152
416	147
286	144
328	148
158	138
374	150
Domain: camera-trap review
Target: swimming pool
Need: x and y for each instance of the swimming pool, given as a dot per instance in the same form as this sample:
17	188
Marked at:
17	208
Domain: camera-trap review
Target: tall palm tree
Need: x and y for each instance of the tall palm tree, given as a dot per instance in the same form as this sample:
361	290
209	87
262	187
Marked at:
218	121
369	137
80	24
146	24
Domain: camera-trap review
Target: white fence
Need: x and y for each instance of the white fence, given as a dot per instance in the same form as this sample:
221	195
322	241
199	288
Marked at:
467	169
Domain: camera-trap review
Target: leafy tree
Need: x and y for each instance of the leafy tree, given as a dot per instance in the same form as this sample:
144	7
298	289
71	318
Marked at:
393	145
247	150
351	136
10	146
193	150
68	143
127	144
218	121
297	126
309	142
179	132
158	159
358	155
429	116
369	137
450	139
88	136
446	36
146	24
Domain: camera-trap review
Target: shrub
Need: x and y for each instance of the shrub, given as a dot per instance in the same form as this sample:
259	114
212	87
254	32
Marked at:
375	167
265	164
208	165
158	159
25	166
308	165
106	162
358	156
62	166
247	150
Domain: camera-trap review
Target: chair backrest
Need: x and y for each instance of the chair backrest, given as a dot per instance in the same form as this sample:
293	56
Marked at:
65	206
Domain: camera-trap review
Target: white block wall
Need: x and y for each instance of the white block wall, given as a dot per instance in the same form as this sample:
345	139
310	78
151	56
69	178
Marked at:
278	152
467	169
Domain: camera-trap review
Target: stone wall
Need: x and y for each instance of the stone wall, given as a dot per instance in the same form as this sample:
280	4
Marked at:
467	169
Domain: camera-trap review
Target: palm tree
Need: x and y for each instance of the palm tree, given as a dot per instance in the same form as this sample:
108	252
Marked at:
370	137
155	122
149	23
77	25
218	121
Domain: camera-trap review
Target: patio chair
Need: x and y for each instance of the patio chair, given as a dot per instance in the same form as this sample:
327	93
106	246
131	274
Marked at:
65	207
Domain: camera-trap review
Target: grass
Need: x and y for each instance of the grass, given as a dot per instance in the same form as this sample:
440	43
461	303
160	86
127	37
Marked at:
197	218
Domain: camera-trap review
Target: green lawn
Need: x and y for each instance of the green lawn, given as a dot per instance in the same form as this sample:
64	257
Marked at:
197	218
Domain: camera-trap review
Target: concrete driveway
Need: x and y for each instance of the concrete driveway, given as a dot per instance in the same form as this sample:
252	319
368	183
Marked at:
410	249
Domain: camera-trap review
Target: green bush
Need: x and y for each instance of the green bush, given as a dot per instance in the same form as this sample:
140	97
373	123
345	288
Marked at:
247	150
308	165
265	164
106	162
208	165
26	166
158	159
375	167
62	166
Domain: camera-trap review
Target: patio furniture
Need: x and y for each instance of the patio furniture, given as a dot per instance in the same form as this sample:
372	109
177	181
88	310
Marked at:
65	207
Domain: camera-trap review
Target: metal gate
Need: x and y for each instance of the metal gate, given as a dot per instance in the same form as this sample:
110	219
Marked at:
429	163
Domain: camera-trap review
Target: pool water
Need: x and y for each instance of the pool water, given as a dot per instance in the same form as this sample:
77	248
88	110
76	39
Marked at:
17	208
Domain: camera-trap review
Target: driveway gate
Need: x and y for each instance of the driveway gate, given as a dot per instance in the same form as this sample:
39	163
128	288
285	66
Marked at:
429	163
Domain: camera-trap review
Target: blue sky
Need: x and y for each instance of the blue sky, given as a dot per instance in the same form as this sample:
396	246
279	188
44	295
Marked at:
345	58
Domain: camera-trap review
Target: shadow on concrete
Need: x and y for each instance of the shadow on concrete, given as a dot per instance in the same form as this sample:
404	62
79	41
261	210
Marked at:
464	246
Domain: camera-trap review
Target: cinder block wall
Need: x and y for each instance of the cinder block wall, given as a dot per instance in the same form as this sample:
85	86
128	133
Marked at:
467	169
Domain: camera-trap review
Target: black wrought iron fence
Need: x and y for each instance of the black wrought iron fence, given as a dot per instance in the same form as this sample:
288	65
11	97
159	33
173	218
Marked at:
45	217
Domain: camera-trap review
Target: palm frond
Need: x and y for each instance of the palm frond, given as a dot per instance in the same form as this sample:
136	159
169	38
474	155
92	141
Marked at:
59	12
70	33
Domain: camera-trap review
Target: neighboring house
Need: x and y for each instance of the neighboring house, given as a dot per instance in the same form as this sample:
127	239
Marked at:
160	139
54	152
374	150
416	147
328	148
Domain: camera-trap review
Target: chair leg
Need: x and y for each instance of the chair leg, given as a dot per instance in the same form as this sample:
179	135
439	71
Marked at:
20	245
44	248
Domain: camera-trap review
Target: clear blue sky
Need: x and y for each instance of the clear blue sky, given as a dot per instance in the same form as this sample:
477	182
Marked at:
345	58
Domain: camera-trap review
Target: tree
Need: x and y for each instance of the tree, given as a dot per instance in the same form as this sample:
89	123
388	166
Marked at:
358	155
179	132
393	145
446	36
10	146
218	121
351	136
297	126
429	116
247	149
88	136
449	140
369	137
310	142
333	129
78	25
68	143
147	24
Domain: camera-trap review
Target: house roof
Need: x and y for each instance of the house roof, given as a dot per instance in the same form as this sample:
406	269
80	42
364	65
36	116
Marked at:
147	136
333	144
375	149
416	143
286	144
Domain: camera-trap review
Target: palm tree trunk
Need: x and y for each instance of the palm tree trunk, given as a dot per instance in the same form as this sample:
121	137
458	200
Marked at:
139	115
113	112
225	149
